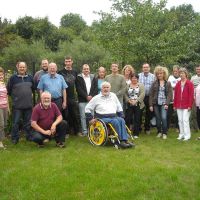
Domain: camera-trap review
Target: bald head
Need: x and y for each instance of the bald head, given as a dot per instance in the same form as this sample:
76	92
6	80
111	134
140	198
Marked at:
52	69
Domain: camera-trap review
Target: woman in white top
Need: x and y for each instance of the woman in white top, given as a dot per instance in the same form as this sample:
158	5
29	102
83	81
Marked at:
173	79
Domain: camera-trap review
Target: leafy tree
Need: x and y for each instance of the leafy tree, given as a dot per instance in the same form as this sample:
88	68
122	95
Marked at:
73	21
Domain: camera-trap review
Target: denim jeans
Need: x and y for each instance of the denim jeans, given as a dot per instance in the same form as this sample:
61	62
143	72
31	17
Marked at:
17	114
119	126
82	106
161	118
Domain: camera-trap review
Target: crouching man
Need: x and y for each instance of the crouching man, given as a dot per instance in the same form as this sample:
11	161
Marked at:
107	107
47	122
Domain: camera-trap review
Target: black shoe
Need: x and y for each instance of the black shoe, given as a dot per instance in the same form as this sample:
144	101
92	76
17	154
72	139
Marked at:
60	144
15	141
124	145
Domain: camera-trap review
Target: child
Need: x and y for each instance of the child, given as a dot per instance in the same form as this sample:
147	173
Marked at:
4	107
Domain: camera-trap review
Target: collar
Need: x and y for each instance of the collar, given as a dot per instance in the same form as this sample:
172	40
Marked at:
84	76
105	95
56	75
21	76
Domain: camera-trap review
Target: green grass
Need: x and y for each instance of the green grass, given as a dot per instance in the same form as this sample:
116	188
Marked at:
155	169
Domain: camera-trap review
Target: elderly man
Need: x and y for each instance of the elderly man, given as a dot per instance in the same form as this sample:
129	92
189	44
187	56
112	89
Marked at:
55	84
47	122
107	107
20	87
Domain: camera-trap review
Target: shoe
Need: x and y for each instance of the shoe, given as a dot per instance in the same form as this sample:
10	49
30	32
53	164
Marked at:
159	135
60	144
198	138
46	140
40	145
130	144
66	136
186	139
81	134
15	141
1	145
124	145
148	132
136	137
164	136
180	138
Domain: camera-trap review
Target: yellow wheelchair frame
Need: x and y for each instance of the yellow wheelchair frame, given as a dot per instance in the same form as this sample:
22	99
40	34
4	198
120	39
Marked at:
100	132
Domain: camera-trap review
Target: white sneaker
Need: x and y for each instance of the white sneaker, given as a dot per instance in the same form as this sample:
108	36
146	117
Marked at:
186	139
1	145
136	137
148	132
180	138
164	136
159	135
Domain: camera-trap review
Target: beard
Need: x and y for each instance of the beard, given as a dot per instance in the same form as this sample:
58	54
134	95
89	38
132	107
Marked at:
46	103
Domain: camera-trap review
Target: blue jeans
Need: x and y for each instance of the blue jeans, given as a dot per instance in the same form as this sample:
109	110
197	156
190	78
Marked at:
82	106
119	126
26	115
161	118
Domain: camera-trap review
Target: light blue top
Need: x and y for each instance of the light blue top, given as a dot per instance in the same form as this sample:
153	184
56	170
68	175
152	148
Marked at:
100	81
54	85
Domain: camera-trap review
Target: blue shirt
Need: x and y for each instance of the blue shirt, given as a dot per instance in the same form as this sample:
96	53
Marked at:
54	85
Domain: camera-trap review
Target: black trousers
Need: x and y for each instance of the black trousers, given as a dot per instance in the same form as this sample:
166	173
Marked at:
171	114
132	116
58	102
70	114
148	114
59	136
198	117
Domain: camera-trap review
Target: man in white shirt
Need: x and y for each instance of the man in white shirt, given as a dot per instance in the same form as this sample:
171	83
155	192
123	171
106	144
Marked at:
86	87
107	107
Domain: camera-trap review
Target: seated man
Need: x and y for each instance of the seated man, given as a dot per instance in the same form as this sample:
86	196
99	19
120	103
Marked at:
47	122
107	107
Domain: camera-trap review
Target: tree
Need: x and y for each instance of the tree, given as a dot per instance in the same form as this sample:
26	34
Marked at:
73	21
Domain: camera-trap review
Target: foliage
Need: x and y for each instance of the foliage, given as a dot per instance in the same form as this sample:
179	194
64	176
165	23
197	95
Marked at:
73	21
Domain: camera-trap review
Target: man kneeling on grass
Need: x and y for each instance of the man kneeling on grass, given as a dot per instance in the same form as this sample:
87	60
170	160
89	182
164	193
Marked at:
107	107
47	122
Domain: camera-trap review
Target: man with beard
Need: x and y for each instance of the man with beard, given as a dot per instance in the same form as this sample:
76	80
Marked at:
40	73
71	112
47	122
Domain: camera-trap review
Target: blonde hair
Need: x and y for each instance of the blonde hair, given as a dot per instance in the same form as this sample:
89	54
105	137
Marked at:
183	69
1	70
161	69
130	67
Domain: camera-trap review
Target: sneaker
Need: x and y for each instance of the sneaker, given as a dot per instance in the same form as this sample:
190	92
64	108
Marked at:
159	135
180	138
164	136
15	141
124	145
81	135
1	145
198	138
46	140
148	132
186	139
66	136
40	145
136	137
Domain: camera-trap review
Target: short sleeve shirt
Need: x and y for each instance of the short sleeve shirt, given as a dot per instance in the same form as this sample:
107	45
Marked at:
45	117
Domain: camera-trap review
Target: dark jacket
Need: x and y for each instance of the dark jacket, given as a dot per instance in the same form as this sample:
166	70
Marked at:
184	99
153	94
82	90
20	88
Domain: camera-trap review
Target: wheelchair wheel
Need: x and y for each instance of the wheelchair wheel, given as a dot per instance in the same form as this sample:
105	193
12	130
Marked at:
98	133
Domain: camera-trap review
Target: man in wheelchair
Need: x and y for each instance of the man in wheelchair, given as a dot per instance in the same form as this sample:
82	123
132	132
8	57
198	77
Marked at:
107	107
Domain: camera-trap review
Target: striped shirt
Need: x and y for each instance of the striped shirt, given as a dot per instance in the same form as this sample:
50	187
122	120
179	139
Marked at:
3	96
147	81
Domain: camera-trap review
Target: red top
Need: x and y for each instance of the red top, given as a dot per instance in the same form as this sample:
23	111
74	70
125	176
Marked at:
45	117
184	99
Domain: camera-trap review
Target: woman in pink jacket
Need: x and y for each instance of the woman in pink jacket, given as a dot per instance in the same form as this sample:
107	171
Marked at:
183	100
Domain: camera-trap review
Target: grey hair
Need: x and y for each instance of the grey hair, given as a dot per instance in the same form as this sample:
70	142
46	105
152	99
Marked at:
105	83
45	92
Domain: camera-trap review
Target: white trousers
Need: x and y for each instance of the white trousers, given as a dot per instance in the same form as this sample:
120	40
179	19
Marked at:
184	123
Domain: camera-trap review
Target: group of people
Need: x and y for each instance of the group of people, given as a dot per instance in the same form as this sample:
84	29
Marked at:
117	98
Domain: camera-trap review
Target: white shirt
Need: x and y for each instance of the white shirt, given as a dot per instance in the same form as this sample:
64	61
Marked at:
104	104
87	83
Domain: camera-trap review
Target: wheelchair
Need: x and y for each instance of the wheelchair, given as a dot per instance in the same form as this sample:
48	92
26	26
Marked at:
100	133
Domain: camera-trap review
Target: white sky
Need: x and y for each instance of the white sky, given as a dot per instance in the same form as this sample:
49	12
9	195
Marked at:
13	9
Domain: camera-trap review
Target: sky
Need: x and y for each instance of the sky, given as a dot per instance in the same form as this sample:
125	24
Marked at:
54	10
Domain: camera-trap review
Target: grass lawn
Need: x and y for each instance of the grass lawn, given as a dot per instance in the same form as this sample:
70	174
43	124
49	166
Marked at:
155	169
